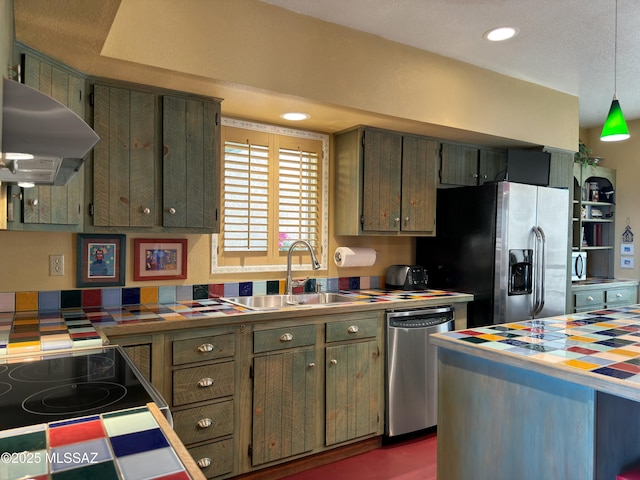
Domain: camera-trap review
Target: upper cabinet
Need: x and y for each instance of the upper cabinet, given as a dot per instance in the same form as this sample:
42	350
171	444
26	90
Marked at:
124	161
385	183
467	165
157	166
46	207
191	163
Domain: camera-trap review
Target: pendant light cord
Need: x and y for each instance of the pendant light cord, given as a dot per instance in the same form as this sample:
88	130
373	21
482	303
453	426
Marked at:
615	54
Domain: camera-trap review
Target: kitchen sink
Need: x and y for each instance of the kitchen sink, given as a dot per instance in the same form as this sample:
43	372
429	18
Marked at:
267	302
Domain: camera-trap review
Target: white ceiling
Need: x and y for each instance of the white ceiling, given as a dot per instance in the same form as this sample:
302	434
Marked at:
567	45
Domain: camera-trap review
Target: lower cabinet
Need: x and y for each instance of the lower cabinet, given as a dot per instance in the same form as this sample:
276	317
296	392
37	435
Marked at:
248	397
284	400
597	296
203	396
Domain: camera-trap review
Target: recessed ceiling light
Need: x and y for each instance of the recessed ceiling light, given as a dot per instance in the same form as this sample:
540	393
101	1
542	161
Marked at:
295	116
18	156
500	34
26	184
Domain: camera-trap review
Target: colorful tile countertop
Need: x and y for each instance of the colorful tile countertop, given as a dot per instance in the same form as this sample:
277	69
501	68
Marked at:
26	332
597	348
126	444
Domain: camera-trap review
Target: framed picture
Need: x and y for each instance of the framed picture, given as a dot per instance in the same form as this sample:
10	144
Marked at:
164	259
101	260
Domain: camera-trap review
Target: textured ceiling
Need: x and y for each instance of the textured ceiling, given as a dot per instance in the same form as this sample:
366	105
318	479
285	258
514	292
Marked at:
567	45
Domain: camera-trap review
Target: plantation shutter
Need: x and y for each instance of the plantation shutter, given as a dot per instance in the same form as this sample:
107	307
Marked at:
298	196
246	194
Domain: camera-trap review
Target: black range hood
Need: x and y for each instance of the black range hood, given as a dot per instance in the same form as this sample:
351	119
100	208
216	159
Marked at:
43	141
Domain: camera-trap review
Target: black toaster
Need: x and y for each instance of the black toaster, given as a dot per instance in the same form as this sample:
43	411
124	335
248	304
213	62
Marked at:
406	277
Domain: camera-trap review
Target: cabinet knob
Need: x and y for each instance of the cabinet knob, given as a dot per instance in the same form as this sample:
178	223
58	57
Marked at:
397	219
312	365
406	219
333	361
353	329
205	382
286	337
618	295
590	298
34	202
172	211
204	462
475	175
146	210
204	423
205	348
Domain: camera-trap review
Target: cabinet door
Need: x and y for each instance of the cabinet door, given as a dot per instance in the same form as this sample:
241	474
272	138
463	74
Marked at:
459	165
56	205
284	399
124	158
492	165
381	183
352	379
418	184
191	163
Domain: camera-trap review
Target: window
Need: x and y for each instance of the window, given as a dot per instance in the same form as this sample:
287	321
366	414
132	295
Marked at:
274	192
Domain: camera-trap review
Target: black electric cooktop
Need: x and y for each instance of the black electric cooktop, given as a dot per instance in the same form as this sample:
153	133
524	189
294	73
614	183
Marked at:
66	385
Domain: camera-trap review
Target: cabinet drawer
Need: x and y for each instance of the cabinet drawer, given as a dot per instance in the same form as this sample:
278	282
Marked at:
621	295
281	338
351	329
203	348
203	383
204	423
593	298
214	459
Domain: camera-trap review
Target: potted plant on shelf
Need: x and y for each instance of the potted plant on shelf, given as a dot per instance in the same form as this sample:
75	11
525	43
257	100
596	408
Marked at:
583	155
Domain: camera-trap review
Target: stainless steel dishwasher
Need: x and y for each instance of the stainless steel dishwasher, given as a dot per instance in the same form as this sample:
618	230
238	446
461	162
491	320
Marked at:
411	371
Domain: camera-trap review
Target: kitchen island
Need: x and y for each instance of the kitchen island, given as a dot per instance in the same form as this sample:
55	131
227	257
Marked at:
555	398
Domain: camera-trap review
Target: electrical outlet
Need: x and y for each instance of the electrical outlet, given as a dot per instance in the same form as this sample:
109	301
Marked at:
56	265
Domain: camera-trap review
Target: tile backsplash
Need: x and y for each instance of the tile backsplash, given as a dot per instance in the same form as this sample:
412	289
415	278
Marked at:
107	297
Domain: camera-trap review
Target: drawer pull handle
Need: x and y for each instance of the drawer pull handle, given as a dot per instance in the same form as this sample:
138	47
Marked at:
286	337
353	329
312	365
205	382
590	298
204	462
619	295
333	361
205	423
205	348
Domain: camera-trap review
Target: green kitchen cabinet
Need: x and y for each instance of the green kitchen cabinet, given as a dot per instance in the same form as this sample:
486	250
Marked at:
284	393
468	165
458	164
353	378
191	163
124	161
157	166
387	180
45	207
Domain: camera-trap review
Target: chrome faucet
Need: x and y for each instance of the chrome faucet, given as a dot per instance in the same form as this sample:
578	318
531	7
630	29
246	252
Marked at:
314	262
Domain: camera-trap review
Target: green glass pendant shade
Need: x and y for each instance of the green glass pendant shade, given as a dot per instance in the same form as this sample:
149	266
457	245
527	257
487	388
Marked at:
615	128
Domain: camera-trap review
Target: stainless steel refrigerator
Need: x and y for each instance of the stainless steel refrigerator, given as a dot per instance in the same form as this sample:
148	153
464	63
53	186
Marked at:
507	244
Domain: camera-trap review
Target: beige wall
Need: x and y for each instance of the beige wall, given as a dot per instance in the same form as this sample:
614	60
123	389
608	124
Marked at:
236	50
624	157
263	59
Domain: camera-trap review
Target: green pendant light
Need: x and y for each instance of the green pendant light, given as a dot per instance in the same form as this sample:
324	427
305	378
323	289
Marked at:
615	127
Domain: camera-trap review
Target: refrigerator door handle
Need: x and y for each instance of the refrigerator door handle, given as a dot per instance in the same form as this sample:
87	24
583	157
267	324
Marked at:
540	264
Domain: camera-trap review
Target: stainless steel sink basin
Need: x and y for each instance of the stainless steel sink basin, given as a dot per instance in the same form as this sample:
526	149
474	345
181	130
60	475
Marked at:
267	302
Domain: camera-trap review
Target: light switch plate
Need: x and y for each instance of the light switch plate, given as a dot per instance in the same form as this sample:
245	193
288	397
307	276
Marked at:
56	265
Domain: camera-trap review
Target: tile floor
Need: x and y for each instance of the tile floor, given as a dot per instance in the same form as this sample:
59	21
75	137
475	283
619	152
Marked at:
409	459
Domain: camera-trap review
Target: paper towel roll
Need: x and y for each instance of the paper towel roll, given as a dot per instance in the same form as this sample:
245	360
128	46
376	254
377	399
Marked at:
354	256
